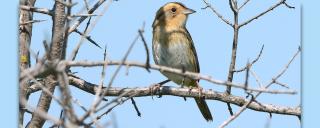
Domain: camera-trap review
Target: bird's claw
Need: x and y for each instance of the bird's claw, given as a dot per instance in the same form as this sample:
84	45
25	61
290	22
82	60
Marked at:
155	89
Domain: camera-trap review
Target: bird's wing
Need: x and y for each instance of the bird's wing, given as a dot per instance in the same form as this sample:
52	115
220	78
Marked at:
194	52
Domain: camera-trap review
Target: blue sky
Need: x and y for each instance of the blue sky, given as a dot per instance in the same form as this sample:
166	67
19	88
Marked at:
279	31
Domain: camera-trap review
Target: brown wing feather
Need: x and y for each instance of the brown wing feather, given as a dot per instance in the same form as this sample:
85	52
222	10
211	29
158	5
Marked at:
194	51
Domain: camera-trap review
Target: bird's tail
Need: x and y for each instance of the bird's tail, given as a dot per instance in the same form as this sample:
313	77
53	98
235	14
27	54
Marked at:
204	109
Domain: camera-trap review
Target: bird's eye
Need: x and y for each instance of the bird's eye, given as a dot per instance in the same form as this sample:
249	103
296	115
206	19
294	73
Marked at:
173	9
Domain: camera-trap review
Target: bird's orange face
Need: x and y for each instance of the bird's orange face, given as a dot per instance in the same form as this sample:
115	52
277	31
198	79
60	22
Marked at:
172	15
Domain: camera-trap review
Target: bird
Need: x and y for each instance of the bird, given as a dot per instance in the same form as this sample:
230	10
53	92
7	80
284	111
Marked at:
173	47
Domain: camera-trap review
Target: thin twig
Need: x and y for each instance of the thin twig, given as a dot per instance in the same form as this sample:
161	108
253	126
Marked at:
79	104
119	66
88	38
255	97
208	5
135	106
287	5
230	109
61	117
99	92
31	22
81	15
40	113
266	11
253	62
244	107
247	76
98	101
66	97
145	46
121	95
81	19
257	78
287	66
44	88
72	28
282	84
234	7
38	10
243	4
118	102
175	71
184	92
86	5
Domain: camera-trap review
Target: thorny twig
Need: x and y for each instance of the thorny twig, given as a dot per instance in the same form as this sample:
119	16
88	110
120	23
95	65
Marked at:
98	101
88	38
72	28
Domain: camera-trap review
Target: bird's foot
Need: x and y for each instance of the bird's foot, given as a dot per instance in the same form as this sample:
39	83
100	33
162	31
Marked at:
155	89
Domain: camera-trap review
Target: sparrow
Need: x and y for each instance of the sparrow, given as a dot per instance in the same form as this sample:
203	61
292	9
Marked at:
173	47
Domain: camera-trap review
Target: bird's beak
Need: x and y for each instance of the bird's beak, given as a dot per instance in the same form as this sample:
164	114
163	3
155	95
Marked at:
188	11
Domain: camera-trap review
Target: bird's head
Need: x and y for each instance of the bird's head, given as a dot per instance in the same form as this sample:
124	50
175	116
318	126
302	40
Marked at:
172	14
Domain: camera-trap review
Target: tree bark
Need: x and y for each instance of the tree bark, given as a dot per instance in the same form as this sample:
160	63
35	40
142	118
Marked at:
25	34
57	52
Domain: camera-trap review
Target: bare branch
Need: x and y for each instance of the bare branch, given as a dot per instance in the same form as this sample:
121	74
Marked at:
287	65
25	36
234	7
230	109
291	7
185	92
208	5
268	10
88	38
81	15
31	22
244	107
282	84
175	71
118	101
81	19
53	67
40	112
135	106
145	46
77	23
255	97
254	61
57	52
44	103
79	104
66	97
257	78
99	93
98	101
38	10
243	4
